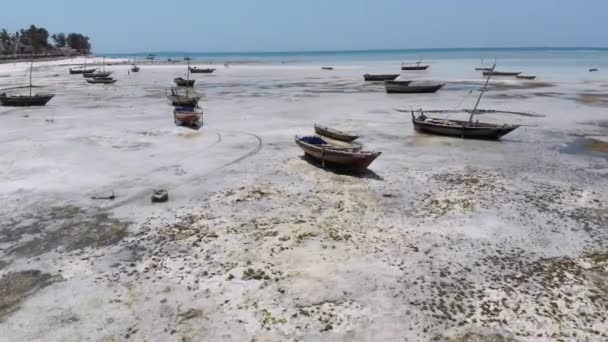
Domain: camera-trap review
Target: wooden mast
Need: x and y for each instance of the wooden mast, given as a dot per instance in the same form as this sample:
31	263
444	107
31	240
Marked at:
481	93
31	69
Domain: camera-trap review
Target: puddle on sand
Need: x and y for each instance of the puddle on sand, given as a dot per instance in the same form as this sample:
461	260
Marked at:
587	146
15	287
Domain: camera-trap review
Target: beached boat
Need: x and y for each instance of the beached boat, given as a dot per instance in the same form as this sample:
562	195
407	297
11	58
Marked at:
334	133
97	74
593	70
414	66
412	87
181	98
134	68
483	69
101	80
460	128
525	77
188	117
196	70
184	82
25	100
327	68
330	155
500	73
81	70
380	77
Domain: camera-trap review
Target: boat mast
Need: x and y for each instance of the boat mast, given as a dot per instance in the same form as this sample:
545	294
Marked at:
491	71
31	69
188	77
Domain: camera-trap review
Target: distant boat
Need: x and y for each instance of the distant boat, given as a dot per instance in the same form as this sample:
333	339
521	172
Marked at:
184	82
101	80
134	68
331	155
327	68
593	70
196	70
97	74
334	133
25	100
500	73
483	69
81	70
525	77
188	116
380	77
459	128
151	56
412	87
414	66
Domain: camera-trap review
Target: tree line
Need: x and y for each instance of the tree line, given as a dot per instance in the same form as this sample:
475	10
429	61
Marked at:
38	39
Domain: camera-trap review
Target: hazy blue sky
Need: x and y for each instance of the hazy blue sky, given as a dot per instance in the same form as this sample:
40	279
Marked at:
287	25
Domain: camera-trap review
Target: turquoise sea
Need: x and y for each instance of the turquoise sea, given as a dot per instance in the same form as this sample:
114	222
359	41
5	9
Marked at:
571	57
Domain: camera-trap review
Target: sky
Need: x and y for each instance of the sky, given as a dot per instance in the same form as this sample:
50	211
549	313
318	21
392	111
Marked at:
123	26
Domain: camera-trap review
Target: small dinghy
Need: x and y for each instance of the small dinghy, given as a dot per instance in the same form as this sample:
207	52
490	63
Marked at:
414	66
500	73
412	87
380	77
188	117
81	70
334	134
330	155
327	68
196	70
97	74
101	80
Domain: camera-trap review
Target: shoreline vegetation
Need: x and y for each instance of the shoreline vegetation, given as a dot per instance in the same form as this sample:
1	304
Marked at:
33	43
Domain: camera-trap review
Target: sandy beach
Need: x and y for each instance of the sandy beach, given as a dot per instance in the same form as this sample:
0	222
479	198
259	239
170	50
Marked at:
443	238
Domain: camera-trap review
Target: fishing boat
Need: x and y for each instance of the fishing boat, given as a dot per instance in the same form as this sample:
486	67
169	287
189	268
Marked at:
327	68
330	155
525	77
334	133
414	66
181	98
81	70
25	100
101	80
134	68
97	74
412	87
500	73
380	77
593	70
196	70
188	117
184	82
460	128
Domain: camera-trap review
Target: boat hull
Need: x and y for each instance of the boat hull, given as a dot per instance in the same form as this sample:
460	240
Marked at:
184	83
335	134
25	101
499	73
96	74
463	129
81	71
352	159
188	117
393	88
415	67
387	77
101	80
201	71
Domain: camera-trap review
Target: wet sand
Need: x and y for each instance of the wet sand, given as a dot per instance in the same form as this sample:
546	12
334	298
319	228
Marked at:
444	238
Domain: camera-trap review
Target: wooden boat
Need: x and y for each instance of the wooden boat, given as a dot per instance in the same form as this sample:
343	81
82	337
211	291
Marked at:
181	98
525	77
188	117
414	66
134	68
81	70
380	77
330	155
412	87
500	73
334	133
463	129
327	68
593	70
400	83
97	74
184	82
196	70
25	100
483	69
459	128
101	80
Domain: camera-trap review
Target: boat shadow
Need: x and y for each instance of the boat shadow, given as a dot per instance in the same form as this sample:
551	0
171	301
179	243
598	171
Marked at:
342	171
